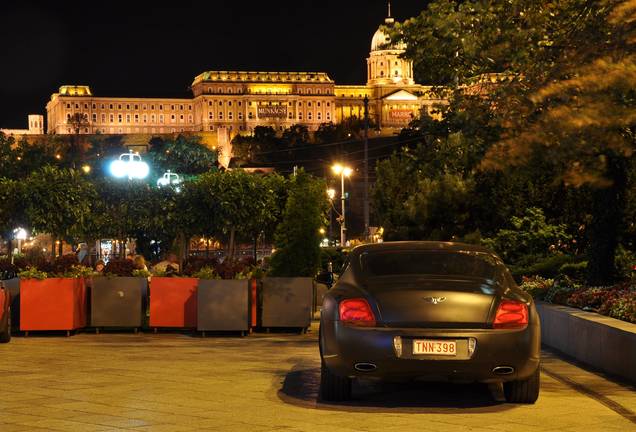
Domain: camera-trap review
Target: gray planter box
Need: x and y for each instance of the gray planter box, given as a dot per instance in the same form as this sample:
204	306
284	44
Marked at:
222	305
13	287
118	301
602	342
287	302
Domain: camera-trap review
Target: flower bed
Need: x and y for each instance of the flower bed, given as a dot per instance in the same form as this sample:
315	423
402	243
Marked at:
618	301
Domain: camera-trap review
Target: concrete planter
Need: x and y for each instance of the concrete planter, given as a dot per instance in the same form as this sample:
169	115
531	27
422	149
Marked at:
173	302
287	302
52	304
118	301
602	342
223	305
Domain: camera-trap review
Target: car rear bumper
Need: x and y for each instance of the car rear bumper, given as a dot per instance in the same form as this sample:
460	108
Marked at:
344	347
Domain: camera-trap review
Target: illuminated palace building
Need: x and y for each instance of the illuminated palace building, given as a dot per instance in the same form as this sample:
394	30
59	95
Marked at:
236	102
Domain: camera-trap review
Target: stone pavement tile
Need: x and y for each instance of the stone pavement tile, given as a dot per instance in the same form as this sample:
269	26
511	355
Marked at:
43	411
109	420
66	425
12	427
166	428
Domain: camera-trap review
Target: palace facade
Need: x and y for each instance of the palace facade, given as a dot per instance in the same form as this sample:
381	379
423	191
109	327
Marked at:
233	102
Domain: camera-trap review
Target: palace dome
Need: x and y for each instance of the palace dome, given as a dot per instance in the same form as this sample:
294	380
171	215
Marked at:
382	41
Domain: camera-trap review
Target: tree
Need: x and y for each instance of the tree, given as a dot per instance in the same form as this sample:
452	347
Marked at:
297	237
58	202
12	208
564	87
184	155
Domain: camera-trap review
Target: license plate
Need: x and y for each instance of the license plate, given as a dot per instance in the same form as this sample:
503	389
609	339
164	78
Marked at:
435	347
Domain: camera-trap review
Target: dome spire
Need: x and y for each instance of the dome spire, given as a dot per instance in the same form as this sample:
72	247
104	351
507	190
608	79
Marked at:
389	19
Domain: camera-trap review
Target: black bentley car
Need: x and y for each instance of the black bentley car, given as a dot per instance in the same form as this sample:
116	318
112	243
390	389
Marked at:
5	315
428	311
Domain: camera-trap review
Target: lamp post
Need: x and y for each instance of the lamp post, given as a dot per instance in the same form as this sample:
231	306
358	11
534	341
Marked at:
331	193
342	171
129	165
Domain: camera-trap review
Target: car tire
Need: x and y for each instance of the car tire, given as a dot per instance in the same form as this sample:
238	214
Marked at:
5	336
523	391
334	388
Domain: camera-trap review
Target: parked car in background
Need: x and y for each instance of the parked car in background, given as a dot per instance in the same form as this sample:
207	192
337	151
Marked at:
428	311
5	314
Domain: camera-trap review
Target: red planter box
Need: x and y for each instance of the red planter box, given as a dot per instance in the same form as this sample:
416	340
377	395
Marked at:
52	304
173	302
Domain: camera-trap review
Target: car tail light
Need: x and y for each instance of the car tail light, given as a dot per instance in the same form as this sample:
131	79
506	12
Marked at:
356	312
511	314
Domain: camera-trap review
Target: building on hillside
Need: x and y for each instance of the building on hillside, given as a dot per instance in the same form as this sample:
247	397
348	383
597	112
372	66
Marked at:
36	127
233	102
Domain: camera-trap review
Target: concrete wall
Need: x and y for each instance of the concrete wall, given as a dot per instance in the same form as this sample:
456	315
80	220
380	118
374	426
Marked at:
602	342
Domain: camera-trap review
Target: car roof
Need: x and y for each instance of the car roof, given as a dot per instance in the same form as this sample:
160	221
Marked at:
421	245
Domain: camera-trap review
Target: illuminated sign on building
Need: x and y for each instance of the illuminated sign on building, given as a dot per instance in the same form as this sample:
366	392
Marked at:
402	115
272	112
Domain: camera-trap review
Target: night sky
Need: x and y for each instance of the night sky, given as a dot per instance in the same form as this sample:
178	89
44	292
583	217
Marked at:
138	48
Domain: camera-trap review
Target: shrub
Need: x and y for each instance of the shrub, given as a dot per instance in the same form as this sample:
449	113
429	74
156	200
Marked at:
561	290
590	298
624	307
119	267
195	264
625	263
32	273
64	264
537	286
574	270
206	273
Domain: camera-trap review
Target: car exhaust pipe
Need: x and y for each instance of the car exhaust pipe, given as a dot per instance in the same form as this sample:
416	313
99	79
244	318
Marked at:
503	370
365	367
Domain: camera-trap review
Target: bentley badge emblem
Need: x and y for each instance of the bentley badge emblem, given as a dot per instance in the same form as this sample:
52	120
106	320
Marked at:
434	300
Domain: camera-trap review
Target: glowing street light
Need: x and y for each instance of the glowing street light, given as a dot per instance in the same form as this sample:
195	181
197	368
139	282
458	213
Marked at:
129	165
331	193
20	235
343	171
169	178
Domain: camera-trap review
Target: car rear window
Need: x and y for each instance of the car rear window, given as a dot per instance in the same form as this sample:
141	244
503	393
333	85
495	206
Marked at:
430	262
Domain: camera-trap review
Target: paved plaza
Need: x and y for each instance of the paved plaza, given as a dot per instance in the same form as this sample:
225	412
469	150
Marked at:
265	382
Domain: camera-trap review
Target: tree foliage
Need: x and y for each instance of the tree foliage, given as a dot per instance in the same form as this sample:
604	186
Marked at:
297	237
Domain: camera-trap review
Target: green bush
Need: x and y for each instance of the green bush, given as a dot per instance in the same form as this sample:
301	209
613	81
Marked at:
537	286
575	270
548	267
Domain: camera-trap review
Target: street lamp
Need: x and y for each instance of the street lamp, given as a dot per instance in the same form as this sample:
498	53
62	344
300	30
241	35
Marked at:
169	178
20	235
129	165
343	171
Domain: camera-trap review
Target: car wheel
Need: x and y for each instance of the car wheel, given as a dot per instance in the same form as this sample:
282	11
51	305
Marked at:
523	391
334	388
5	336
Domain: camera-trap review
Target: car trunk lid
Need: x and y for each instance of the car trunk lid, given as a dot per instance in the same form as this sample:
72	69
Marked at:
456	302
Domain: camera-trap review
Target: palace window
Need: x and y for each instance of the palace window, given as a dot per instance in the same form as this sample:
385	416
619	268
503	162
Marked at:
309	115
127	118
229	103
94	118
220	116
328	116
308	103
152	118
190	118
230	115
328	103
290	115
250	115
172	118
145	107
68	117
68	106
94	106
145	118
119	106
136	107
119	118
102	106
220	103
103	118
240	103
76	106
190	107
240	116
211	115
161	120
300	116
318	103
172	107
181	107
160	107
127	106
209	103
211	127
136	118
319	116
112	118
110	106
181	118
